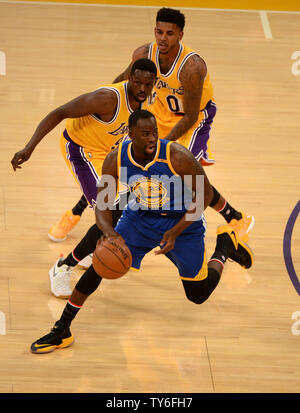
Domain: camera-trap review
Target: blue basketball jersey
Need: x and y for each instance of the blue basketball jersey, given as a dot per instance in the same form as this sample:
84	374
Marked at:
155	187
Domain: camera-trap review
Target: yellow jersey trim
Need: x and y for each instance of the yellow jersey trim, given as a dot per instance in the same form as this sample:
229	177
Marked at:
168	153
144	168
134	269
119	167
117	92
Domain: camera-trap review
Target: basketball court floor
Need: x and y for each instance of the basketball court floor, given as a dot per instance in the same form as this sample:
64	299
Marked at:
139	334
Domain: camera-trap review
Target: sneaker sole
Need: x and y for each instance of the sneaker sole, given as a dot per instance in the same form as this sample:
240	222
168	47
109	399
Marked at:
56	239
84	267
251	225
45	348
245	238
85	263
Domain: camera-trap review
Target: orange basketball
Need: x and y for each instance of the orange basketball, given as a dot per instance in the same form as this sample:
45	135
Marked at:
112	258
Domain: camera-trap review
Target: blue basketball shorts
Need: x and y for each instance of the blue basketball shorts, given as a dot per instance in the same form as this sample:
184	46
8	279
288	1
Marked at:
143	231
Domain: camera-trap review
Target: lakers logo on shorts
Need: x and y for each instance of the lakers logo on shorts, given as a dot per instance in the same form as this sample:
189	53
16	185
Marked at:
150	192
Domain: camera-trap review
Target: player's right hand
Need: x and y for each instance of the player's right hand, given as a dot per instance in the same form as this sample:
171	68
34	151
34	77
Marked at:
20	157
111	234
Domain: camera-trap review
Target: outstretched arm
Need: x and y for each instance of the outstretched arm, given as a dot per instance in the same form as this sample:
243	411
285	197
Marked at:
100	101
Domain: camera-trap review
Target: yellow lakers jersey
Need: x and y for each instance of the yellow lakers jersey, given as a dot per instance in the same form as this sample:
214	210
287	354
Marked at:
168	88
93	133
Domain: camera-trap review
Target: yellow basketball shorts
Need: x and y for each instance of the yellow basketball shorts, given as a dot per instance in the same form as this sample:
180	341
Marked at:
85	166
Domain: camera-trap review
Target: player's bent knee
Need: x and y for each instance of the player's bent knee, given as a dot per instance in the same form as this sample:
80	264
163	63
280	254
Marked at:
199	291
196	297
89	282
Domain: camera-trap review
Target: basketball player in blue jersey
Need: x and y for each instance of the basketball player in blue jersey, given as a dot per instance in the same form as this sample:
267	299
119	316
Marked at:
183	101
185	108
168	226
95	122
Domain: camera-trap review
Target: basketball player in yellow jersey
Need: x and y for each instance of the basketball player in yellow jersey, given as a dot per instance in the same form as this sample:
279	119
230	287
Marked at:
184	113
96	121
183	102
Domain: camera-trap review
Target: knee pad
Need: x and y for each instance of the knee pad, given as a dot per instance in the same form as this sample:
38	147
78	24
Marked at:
88	243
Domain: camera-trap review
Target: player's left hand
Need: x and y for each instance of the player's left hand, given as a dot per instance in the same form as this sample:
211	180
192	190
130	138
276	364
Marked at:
167	243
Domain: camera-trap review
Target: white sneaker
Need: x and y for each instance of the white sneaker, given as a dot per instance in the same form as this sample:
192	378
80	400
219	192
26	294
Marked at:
60	280
86	262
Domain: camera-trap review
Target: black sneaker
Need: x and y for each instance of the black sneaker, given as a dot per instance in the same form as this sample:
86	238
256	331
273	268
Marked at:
59	337
239	251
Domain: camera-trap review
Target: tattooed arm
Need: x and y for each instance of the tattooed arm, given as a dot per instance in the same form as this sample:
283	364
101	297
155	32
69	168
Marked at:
192	78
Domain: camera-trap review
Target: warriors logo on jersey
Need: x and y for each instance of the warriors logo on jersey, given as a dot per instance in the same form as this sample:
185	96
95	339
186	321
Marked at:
150	192
155	187
155	208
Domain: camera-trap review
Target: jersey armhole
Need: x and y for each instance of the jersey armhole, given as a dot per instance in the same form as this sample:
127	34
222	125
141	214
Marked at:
184	62
168	156
97	117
